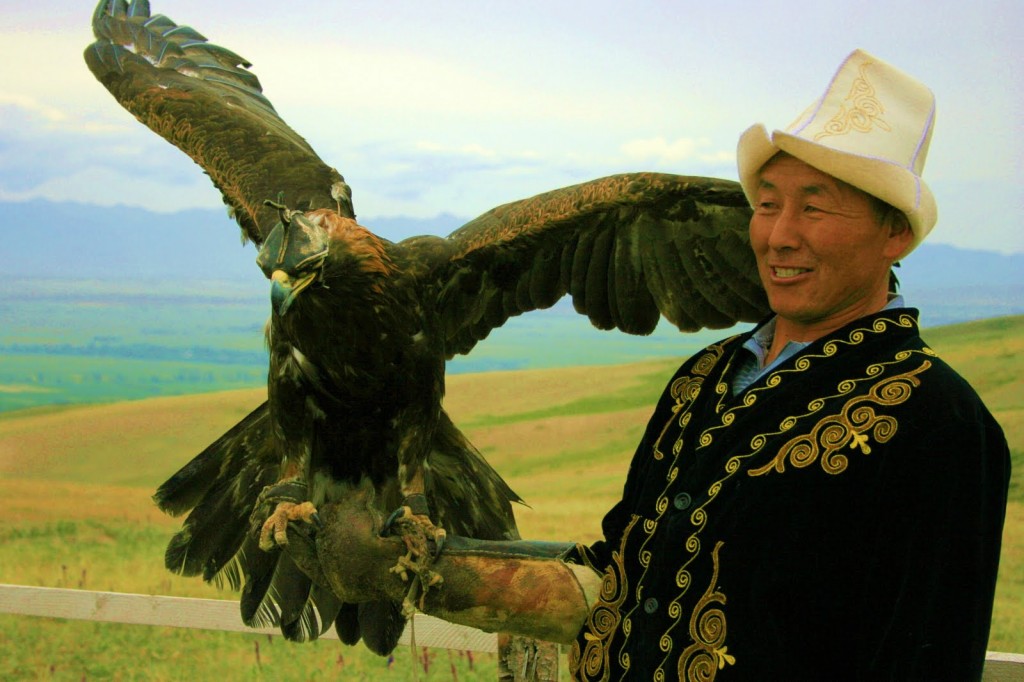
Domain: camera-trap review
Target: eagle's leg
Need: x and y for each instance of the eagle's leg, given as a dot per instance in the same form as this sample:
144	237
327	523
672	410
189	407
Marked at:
422	540
288	497
416	427
274	531
415	508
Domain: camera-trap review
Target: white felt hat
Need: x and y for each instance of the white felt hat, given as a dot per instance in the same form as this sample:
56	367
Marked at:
870	129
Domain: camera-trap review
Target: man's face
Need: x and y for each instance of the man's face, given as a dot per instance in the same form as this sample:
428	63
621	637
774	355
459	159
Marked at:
822	255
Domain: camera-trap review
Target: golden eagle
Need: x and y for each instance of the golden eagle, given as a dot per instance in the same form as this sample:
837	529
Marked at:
361	327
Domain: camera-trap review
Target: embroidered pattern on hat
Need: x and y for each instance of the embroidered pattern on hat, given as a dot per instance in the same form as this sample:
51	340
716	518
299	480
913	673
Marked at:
864	110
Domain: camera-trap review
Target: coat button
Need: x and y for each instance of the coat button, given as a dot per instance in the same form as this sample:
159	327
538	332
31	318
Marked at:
650	605
682	501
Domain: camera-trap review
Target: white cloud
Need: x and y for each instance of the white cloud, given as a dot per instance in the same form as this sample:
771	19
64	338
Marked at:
659	149
675	152
448	106
33	107
108	187
473	150
30	115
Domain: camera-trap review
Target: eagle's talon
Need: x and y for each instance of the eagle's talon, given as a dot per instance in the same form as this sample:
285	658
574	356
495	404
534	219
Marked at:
439	539
391	520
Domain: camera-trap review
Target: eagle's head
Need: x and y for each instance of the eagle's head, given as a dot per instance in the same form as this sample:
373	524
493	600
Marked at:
292	257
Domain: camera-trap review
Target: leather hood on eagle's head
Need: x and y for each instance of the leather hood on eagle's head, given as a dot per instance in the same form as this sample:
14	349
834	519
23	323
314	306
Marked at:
292	256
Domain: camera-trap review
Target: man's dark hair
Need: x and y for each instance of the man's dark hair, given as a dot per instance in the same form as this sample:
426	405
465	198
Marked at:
888	216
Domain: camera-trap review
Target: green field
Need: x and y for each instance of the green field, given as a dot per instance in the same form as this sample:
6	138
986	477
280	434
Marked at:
76	483
73	342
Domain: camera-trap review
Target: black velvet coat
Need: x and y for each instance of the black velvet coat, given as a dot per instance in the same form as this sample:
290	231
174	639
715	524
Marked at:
838	519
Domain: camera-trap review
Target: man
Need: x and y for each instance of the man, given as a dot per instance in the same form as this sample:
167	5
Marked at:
819	499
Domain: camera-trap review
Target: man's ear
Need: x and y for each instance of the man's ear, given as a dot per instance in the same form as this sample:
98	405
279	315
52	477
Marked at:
900	234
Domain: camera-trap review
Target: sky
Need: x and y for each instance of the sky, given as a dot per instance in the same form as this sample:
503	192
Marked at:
455	107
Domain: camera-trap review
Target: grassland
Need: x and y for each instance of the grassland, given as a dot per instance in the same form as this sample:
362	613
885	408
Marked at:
73	342
76	483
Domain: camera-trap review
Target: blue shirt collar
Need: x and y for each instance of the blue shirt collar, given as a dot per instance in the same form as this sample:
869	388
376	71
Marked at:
761	341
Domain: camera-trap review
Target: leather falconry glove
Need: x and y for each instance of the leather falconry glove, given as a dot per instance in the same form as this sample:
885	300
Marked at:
517	587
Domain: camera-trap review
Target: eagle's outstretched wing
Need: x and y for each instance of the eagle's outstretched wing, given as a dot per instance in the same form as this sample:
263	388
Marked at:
627	248
202	98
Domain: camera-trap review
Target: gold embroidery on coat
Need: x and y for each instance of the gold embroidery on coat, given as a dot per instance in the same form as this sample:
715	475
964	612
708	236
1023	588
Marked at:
644	556
698	519
684	391
853	427
715	659
861	110
712	355
708	654
802	364
603	620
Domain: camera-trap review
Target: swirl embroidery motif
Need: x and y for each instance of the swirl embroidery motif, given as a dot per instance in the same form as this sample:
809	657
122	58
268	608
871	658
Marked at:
684	392
864	112
592	662
702	660
854	427
803	363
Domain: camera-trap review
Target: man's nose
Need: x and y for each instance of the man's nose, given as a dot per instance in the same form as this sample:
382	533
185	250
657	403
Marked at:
785	232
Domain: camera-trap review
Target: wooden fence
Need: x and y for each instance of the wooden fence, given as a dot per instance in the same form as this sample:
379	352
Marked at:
217	614
199	614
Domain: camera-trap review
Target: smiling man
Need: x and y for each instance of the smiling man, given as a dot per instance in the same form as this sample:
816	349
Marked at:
820	498
823	252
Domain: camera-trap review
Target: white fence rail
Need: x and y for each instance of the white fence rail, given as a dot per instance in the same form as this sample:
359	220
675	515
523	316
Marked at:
217	614
200	614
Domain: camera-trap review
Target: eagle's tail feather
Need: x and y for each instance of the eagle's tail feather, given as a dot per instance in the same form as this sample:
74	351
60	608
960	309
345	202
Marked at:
221	486
220	462
346	624
257	610
209	539
381	623
306	610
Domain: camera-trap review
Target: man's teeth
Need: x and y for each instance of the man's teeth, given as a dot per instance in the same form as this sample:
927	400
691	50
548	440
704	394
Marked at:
789	272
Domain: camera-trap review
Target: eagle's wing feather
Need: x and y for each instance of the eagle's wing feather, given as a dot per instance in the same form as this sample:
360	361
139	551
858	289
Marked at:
627	248
203	99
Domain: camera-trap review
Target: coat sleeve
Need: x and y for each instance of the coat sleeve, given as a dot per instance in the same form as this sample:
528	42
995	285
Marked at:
935	550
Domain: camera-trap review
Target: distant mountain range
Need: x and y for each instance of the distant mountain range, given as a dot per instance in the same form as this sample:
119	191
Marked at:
101	304
40	239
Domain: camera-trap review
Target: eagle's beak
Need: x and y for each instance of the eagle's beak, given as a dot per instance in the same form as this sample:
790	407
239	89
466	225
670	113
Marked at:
284	290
